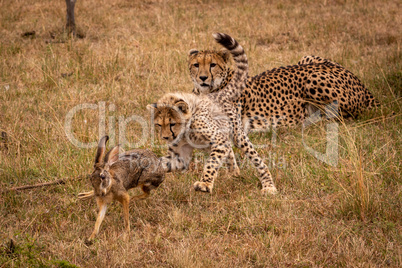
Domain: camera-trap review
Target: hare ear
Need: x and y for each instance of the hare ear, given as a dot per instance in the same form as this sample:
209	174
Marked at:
225	54
182	106
113	155
100	153
152	106
193	52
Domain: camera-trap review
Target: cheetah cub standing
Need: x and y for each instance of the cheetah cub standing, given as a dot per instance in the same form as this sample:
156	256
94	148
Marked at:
208	121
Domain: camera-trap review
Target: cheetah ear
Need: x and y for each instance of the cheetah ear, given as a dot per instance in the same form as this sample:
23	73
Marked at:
152	106
193	52
225	54
182	106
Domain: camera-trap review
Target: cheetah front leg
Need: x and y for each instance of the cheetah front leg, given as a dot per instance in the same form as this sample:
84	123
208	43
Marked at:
242	141
218	154
178	159
268	186
232	164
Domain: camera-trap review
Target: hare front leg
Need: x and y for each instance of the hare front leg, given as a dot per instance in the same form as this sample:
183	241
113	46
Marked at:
86	195
102	205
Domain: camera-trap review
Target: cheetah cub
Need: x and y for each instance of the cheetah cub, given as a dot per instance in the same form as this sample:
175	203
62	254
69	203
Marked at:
209	122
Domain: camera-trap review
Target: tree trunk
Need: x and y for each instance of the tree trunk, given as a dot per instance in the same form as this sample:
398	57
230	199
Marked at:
70	25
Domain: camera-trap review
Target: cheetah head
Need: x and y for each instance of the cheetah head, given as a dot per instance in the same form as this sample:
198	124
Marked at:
170	115
208	69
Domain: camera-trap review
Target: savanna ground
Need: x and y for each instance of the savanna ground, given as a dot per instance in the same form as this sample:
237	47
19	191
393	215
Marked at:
348	214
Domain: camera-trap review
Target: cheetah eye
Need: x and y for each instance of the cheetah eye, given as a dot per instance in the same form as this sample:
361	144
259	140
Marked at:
172	124
212	65
157	125
196	65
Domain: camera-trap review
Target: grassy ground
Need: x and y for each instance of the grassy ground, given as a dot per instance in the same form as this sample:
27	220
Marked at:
134	51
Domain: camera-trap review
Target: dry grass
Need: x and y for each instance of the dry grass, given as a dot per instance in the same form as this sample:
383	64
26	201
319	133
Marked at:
133	52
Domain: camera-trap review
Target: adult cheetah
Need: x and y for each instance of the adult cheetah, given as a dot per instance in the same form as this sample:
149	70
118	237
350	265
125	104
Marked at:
282	96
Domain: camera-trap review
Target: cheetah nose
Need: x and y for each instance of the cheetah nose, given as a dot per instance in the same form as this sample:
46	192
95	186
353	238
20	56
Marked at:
203	78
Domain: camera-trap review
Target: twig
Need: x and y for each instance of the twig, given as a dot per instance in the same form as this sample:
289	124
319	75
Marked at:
25	187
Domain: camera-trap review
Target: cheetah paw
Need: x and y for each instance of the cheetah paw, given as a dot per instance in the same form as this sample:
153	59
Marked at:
269	190
236	172
203	186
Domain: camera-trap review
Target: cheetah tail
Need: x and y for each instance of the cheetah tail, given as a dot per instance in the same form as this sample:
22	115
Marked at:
237	83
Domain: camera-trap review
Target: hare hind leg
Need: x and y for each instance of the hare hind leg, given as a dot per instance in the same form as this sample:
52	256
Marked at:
146	191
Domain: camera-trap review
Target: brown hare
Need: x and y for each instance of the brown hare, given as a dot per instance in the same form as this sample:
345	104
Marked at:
116	173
